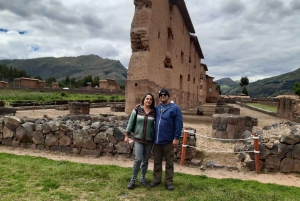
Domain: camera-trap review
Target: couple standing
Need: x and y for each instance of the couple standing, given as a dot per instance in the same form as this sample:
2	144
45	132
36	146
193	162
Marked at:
161	125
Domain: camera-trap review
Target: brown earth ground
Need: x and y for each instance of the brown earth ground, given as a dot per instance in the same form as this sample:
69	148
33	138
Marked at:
203	126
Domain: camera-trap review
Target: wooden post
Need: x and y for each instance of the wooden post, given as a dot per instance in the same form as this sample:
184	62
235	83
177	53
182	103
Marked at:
183	150
256	153
33	107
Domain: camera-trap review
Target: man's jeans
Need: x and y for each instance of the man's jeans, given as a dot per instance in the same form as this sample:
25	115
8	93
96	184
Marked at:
142	155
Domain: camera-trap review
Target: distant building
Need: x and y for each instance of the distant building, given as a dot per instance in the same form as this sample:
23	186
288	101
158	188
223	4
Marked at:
55	85
109	84
211	91
89	86
3	84
29	82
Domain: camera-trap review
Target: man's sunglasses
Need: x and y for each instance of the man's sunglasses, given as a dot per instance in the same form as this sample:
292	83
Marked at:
162	95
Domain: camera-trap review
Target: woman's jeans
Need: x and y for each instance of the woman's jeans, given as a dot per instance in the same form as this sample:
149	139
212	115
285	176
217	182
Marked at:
142	155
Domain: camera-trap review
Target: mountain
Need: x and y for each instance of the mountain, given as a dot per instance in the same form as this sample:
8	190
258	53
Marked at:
77	67
227	84
268	87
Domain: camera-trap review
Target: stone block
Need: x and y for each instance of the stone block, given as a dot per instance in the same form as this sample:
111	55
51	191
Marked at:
273	163
55	148
286	165
7	141
89	152
68	150
296	166
296	151
40	146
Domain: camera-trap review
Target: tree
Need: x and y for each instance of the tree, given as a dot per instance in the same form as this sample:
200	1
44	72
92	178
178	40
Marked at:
245	91
38	77
243	83
296	88
49	80
218	88
96	81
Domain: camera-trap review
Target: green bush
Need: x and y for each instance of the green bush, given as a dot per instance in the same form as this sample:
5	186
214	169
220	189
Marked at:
61	102
100	100
2	103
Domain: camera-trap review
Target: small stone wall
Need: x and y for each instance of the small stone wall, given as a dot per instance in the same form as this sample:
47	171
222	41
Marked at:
266	101
118	108
75	134
289	108
6	110
229	126
220	109
79	108
279	147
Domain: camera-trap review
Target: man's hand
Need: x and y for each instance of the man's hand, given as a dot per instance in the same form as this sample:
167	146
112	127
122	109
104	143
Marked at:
175	143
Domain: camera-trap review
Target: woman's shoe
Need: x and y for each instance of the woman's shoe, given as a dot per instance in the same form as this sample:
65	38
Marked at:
131	184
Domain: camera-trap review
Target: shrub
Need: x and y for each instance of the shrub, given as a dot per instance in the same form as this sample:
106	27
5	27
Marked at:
2	103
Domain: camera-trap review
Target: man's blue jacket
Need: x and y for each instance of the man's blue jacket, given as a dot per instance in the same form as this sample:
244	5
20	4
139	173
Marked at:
168	125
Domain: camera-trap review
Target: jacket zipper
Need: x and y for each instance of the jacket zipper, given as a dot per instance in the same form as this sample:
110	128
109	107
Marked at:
161	112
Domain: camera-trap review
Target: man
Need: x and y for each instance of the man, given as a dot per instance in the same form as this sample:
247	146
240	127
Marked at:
168	127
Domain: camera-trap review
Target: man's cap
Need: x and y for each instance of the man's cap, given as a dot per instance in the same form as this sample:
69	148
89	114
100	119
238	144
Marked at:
163	90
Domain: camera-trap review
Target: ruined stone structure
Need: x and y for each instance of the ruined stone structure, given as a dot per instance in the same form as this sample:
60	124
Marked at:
3	84
165	53
76	108
289	108
109	84
230	126
29	82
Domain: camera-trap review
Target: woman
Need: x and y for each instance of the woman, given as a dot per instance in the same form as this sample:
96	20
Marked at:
141	122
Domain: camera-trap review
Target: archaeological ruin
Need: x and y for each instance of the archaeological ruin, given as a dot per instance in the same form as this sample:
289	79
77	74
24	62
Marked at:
166	53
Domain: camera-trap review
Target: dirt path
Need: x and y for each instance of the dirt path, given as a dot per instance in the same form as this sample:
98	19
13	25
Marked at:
200	123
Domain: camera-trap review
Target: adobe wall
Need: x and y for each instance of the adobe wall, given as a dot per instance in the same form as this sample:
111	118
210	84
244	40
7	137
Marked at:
164	54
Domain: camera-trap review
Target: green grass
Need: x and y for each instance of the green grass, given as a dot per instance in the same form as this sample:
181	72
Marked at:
9	96
262	106
37	178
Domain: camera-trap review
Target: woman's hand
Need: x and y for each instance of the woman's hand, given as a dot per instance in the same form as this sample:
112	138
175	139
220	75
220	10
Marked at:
126	139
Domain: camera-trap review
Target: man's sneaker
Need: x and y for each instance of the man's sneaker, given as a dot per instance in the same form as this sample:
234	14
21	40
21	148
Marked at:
144	182
131	184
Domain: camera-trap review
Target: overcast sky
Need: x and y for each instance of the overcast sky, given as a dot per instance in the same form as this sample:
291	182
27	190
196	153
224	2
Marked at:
253	38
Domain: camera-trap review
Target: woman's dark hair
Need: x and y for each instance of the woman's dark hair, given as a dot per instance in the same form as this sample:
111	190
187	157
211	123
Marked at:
153	101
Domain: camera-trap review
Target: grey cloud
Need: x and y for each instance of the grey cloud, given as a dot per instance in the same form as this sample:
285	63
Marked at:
295	5
232	6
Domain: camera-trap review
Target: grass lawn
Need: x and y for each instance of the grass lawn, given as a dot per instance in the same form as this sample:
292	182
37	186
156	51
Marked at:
37	178
262	106
9	96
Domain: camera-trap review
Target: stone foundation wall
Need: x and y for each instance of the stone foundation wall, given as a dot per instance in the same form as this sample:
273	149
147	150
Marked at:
279	147
79	108
229	126
75	134
220	109
289	108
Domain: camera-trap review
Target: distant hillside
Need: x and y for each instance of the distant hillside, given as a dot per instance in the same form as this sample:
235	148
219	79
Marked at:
77	67
268	87
227	84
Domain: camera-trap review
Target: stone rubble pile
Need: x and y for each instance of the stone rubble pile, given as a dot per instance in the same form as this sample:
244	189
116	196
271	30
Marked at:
279	147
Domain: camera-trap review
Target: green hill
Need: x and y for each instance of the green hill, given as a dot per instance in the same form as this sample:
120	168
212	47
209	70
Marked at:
77	67
268	87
